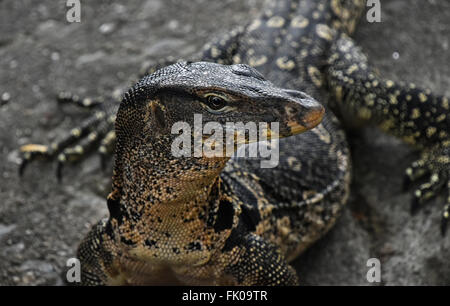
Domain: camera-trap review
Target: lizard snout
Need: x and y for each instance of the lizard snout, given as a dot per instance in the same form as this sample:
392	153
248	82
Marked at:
304	113
313	116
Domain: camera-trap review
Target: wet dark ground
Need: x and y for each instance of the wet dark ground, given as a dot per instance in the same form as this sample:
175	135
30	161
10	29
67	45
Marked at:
42	221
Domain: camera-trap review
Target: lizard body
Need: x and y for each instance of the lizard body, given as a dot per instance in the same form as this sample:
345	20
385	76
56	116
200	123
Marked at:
221	221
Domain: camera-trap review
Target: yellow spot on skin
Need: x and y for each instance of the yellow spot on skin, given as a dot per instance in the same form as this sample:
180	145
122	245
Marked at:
294	44
92	136
337	24
409	139
338	92
370	99
294	163
441	118
387	125
275	22
408	98
445	103
352	69
315	75
299	22
87	102
257	61
215	52
237	59
364	113
389	83
430	131
322	133
435	178
415	113
76	132
285	63
324	32
422	97
100	115
393	99
34	148
254	25
443	159
269	13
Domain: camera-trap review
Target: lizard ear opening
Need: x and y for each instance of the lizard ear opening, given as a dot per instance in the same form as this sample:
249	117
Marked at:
158	115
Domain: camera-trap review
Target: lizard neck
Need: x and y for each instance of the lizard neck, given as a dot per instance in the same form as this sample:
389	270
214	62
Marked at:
152	175
160	194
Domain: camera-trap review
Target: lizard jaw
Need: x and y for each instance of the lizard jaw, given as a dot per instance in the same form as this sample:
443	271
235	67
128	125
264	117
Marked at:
309	121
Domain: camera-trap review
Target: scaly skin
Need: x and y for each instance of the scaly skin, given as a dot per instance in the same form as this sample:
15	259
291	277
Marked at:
244	223
185	219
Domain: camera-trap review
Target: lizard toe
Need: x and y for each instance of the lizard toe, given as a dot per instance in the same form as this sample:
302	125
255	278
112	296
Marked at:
30	152
446	210
417	170
426	191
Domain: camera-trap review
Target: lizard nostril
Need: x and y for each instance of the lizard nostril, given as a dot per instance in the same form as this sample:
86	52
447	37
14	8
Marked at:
291	111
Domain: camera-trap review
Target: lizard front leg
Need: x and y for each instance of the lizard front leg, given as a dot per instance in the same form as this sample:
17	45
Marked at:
406	111
258	263
96	257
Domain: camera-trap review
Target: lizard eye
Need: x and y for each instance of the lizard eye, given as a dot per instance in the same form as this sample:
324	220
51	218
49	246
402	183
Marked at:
215	103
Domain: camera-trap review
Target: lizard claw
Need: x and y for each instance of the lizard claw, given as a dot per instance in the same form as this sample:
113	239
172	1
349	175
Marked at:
22	166
406	182
414	205
445	217
31	152
417	170
435	164
59	167
426	191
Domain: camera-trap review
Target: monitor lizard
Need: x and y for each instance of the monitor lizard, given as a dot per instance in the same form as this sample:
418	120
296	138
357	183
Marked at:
221	221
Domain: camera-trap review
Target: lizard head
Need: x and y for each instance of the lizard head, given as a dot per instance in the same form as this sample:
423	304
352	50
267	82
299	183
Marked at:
220	94
179	94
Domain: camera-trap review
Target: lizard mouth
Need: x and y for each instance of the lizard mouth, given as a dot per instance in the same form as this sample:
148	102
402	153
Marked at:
309	121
